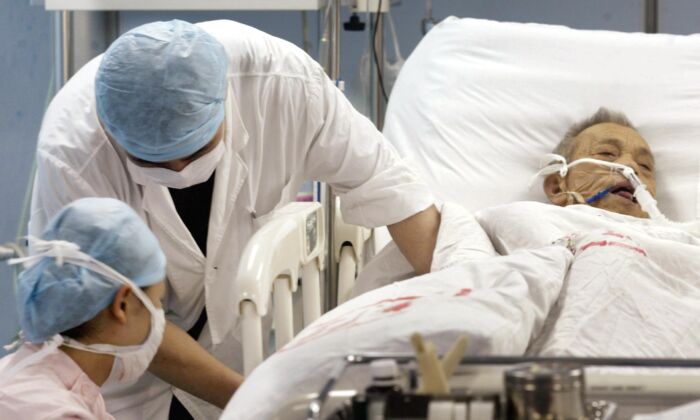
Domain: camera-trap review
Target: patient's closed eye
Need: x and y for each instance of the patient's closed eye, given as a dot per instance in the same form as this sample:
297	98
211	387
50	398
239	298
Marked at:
606	154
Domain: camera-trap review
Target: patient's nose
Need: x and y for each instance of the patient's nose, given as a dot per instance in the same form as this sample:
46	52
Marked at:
627	160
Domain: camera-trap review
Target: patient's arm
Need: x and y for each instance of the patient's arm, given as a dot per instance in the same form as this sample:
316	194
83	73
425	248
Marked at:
416	238
182	362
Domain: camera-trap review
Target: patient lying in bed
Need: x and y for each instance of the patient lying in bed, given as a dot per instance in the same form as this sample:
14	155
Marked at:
597	279
633	289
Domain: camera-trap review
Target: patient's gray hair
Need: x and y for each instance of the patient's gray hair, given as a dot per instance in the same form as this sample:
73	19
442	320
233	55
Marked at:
603	115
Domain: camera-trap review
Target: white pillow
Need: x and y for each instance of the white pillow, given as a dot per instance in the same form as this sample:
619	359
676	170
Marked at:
479	102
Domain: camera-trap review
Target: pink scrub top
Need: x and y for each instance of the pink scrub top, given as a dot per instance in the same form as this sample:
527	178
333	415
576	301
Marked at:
52	388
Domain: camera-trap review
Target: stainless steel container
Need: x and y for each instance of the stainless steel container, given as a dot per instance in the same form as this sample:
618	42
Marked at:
552	391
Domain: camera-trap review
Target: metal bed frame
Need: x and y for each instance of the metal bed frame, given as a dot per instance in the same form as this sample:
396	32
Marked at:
633	386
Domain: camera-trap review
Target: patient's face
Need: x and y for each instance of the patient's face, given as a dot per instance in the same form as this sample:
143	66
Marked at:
612	143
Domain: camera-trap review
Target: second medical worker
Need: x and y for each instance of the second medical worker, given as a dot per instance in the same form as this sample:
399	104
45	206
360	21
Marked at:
204	130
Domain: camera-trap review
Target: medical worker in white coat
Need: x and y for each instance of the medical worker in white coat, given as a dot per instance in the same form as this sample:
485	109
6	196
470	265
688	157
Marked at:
204	130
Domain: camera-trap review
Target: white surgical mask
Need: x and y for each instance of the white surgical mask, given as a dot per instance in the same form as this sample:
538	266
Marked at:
194	173
130	362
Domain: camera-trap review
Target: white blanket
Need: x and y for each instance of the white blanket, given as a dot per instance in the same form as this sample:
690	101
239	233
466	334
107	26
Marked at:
611	285
633	289
500	303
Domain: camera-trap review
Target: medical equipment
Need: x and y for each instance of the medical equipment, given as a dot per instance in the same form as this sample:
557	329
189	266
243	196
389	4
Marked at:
349	251
373	75
641	194
428	21
598	196
293	239
354	23
183	5
390	68
491	388
550	390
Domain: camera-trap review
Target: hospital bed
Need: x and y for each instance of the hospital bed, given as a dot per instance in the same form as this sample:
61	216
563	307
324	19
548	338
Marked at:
512	90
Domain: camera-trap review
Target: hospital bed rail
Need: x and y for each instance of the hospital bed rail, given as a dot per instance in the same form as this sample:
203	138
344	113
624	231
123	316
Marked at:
349	252
292	241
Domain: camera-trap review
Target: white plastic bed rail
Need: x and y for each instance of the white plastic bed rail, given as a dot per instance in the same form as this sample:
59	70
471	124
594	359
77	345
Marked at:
348	250
294	238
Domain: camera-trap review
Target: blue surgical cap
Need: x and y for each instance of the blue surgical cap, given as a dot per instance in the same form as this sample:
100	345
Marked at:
52	298
160	90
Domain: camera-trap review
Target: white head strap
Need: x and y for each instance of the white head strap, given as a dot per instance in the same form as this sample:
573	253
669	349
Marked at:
558	164
69	252
59	250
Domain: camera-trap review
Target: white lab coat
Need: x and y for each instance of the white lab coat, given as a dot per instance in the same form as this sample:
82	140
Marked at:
286	122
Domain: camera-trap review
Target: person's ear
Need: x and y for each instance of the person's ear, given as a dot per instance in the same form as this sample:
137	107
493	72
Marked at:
118	308
554	186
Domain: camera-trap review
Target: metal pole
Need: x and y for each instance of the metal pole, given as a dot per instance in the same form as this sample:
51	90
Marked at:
66	45
91	34
331	272
651	16
335	60
78	37
58	70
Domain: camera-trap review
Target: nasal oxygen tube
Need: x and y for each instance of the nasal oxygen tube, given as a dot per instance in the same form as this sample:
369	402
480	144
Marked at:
644	198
